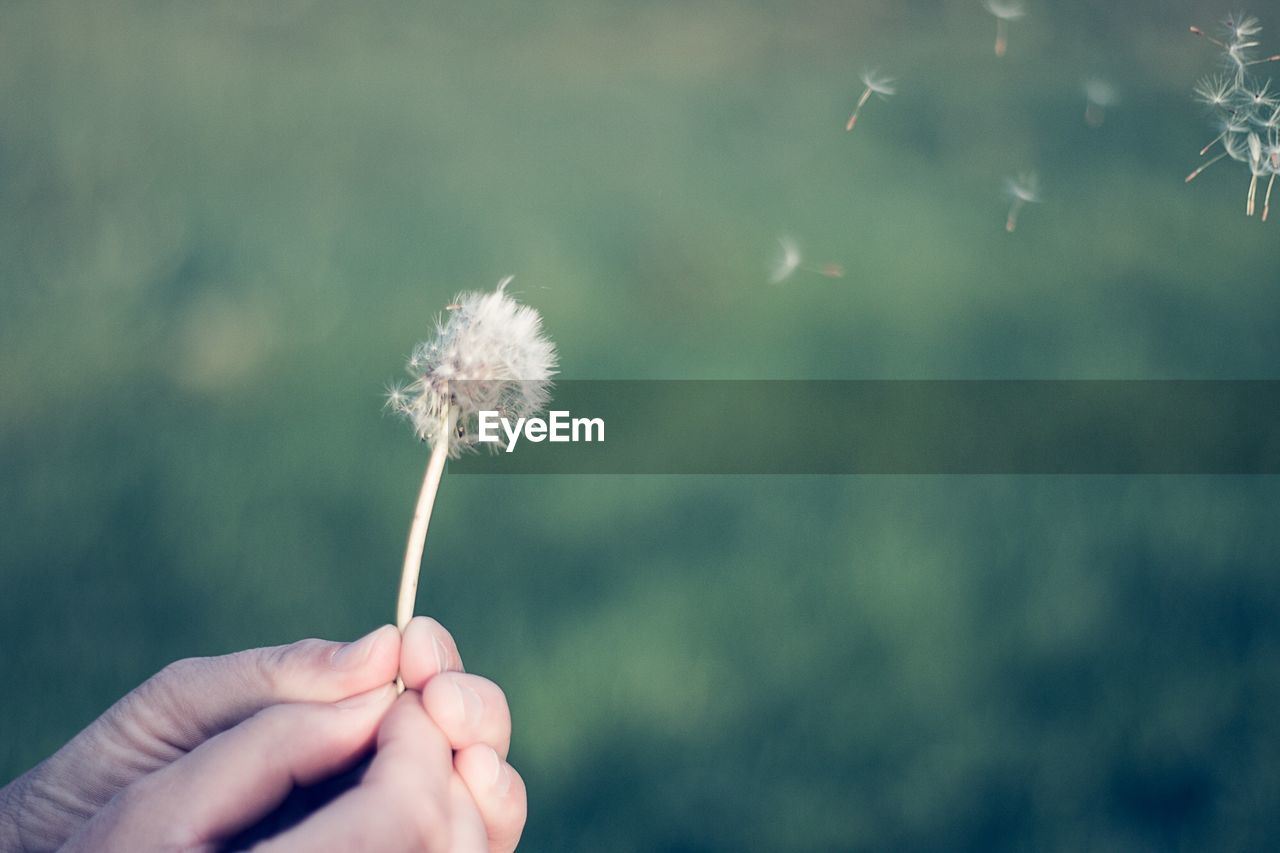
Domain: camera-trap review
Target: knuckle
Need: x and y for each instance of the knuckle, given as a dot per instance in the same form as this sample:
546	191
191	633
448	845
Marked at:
160	709
278	668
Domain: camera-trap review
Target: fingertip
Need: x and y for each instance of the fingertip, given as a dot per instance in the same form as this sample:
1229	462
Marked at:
374	652
469	709
384	660
427	650
498	791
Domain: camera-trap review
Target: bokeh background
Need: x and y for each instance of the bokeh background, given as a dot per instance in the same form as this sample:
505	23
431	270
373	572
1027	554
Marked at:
224	223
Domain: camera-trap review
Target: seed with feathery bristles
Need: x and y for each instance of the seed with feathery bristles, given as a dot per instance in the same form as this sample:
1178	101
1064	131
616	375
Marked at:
874	83
1023	190
791	260
1246	110
1098	96
1004	12
1214	91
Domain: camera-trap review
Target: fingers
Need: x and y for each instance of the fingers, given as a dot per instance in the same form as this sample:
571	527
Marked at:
191	700
409	799
498	793
426	650
238	776
184	705
469	710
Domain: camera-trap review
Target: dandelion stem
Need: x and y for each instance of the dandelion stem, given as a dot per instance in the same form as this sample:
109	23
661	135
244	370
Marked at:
1002	37
1253	196
418	531
862	102
1266	203
1275	58
1204	166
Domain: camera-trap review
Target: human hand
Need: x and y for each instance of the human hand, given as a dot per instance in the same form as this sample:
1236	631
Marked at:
171	714
437	782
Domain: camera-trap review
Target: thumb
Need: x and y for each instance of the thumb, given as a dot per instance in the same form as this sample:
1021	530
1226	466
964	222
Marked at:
190	701
231	780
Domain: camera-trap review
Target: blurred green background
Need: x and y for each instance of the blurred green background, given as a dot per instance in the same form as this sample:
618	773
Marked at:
224	223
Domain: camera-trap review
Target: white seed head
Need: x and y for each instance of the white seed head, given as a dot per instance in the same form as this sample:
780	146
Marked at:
788	262
1237	147
883	86
1025	187
1215	91
1006	10
1256	161
489	353
1240	27
1100	92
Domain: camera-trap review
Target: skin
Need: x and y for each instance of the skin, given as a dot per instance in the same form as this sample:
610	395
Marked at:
209	746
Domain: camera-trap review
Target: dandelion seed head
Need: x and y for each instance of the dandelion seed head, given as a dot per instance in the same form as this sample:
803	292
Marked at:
488	354
1215	91
1256	161
1006	10
1241	26
1237	146
881	84
1025	187
1246	107
1100	92
1259	96
788	261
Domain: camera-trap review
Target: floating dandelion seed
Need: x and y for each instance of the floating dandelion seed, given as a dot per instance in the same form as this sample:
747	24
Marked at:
1004	12
875	84
788	263
488	354
1098	96
792	260
1023	190
1246	110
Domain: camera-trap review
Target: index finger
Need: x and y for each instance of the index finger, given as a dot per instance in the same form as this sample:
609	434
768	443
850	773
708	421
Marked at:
426	650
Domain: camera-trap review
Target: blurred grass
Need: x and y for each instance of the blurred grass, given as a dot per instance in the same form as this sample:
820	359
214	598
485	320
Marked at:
224	224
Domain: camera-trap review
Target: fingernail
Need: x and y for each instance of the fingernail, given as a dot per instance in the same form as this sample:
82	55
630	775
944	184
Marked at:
501	779
372	697
442	657
354	655
470	705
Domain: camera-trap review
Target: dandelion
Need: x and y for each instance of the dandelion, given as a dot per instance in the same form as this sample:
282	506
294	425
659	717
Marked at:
1023	190
1004	12
875	84
1246	110
791	260
488	354
1098	96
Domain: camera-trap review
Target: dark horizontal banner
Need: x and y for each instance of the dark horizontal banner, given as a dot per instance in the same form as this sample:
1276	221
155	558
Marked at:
902	427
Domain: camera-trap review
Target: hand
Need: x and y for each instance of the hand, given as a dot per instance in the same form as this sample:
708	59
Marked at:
174	712
438	781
